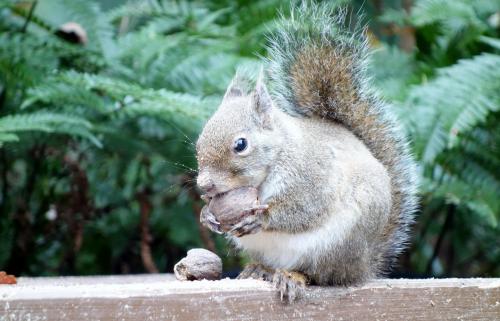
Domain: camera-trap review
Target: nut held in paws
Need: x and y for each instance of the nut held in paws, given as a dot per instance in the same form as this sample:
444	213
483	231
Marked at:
229	208
199	264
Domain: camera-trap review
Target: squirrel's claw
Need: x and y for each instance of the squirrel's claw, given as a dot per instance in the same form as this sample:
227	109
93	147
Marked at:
208	219
291	285
258	209
249	225
206	198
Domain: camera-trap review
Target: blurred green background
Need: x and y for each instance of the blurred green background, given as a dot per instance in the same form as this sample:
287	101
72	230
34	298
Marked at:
98	120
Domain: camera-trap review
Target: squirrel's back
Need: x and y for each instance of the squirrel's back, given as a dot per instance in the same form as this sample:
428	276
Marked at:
317	69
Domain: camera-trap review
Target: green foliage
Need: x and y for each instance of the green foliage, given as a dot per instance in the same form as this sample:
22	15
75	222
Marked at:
46	122
449	107
459	100
97	139
103	132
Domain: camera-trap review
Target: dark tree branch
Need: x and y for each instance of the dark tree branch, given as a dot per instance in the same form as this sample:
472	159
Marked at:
146	238
30	16
426	225
22	218
5	186
407	33
446	226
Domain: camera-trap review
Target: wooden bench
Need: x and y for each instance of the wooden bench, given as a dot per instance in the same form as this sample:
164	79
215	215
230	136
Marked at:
160	297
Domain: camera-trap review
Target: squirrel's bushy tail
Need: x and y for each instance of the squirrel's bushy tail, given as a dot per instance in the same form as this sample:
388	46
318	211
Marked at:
317	68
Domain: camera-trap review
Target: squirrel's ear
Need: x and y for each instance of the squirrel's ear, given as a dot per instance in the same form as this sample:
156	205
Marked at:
263	101
235	88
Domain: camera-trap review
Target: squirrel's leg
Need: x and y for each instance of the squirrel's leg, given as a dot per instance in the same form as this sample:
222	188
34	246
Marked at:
290	284
256	271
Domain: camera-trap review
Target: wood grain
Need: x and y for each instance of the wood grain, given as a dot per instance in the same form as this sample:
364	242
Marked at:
160	297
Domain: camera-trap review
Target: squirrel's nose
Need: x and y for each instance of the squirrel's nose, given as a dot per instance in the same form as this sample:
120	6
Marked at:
205	184
208	188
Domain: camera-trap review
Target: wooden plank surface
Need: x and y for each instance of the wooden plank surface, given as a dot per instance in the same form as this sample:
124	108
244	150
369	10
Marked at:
160	297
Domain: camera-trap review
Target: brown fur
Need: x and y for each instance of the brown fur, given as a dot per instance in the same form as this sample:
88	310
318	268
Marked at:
323	85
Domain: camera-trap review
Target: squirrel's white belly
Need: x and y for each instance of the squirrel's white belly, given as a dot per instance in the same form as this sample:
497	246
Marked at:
290	251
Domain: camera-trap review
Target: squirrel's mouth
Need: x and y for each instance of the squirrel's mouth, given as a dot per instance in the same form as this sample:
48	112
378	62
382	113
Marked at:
207	197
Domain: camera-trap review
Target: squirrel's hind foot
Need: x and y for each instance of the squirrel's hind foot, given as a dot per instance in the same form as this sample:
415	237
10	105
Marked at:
290	284
256	271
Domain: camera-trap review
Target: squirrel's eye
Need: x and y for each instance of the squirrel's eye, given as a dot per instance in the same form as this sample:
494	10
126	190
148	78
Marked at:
240	145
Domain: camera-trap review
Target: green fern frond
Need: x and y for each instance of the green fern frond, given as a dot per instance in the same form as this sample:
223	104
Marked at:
44	121
459	98
458	22
495	43
139	9
392	70
436	141
6	3
169	17
186	52
55	91
482	145
113	97
485	212
454	14
480	199
24	59
8	137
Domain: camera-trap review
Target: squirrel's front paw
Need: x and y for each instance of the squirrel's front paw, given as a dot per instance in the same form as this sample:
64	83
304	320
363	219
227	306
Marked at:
290	284
208	219
251	224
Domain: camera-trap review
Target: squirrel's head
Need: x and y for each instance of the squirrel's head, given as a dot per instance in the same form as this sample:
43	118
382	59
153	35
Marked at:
237	144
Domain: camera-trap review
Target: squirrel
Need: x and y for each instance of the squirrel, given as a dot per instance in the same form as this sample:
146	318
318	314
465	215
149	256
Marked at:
328	158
